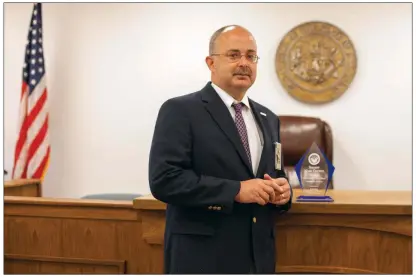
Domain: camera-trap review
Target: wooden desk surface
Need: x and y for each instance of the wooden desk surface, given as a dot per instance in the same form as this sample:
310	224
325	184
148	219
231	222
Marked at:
345	202
56	202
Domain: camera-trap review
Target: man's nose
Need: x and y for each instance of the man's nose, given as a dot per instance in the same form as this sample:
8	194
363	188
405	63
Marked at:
243	60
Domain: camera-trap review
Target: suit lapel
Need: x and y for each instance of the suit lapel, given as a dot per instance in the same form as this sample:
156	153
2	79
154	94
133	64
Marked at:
221	115
264	126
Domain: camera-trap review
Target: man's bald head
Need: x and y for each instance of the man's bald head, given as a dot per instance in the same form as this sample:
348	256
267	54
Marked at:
222	30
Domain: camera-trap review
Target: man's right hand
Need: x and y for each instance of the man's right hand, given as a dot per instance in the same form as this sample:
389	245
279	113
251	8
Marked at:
257	191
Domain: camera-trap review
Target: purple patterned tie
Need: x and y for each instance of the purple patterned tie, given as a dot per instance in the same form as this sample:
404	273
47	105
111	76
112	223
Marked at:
241	127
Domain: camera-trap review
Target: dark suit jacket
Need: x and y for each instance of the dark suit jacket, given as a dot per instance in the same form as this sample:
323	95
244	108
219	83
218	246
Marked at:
197	162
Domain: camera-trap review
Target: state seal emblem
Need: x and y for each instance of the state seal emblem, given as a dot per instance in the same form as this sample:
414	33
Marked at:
316	62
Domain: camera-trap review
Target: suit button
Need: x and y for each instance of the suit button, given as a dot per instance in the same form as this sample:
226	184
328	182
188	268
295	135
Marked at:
254	220
210	207
219	208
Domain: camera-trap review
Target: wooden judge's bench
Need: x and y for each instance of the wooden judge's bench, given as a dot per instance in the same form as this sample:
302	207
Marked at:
361	232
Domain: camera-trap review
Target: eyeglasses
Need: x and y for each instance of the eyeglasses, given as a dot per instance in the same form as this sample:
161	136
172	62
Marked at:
235	57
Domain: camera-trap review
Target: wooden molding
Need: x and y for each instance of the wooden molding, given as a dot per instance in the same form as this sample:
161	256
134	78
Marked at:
45	264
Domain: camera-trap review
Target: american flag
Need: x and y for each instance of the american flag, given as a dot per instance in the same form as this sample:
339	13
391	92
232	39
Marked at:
32	146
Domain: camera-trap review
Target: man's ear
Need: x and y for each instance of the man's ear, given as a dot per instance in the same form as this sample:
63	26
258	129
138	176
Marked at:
210	63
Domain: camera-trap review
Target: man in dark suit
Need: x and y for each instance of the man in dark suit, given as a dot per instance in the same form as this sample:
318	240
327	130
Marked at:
213	161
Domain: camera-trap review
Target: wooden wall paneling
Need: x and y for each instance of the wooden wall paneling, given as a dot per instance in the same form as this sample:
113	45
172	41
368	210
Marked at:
67	228
361	232
363	244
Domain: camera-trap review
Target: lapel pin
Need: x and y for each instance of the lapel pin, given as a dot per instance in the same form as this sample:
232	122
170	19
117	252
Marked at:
263	114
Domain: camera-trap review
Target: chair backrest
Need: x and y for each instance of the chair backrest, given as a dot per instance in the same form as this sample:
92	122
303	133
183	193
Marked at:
297	134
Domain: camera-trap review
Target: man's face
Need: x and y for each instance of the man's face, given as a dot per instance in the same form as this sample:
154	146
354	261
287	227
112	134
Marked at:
235	66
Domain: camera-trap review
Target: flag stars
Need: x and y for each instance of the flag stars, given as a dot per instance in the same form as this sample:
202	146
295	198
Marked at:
33	67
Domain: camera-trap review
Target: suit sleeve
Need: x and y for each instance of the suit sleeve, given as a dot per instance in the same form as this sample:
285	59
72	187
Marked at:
282	174
172	179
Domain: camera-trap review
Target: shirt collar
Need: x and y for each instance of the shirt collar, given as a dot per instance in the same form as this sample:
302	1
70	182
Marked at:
228	99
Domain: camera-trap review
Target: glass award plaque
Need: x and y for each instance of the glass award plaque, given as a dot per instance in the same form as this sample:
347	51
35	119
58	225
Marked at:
314	172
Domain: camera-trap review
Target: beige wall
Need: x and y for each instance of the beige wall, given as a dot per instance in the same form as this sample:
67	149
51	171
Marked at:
110	67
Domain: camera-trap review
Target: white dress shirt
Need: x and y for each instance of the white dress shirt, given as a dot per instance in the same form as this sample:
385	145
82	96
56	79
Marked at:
255	136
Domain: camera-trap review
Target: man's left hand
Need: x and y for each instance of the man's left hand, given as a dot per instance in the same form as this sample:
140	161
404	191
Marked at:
283	194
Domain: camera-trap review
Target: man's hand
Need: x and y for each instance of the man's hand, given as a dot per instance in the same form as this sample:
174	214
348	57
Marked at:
283	191
257	191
